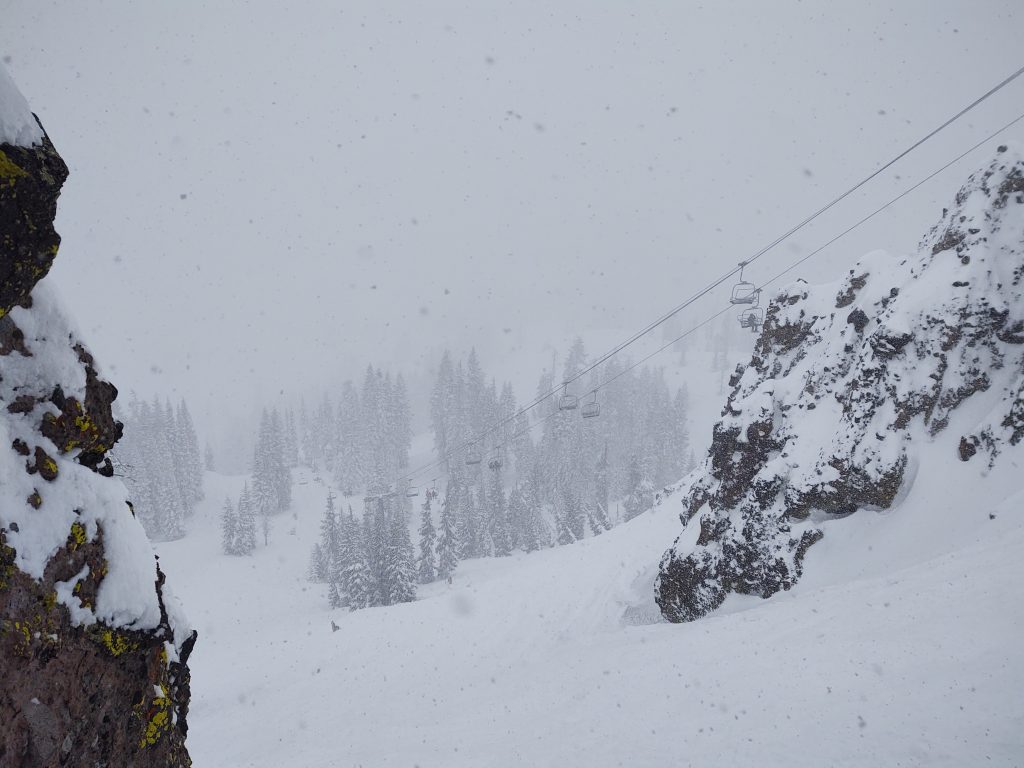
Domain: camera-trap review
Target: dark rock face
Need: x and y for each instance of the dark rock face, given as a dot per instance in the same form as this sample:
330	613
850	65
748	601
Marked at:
30	182
822	421
91	675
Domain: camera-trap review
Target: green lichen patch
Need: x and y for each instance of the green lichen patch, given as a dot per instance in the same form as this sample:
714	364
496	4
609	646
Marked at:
7	567
9	171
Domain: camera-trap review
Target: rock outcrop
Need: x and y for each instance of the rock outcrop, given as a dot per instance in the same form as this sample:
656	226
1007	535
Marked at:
845	381
93	651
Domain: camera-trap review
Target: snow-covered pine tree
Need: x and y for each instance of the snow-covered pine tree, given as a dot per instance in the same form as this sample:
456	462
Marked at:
469	523
167	497
191	459
318	569
246	539
178	458
639	495
564	533
330	541
291	440
208	460
448	536
372	553
228	528
355	574
575	516
326	433
333	595
349	472
500	535
427	565
264	476
401	425
399	568
443	410
279	466
598	511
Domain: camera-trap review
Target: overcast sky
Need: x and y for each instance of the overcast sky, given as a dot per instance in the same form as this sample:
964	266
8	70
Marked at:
265	192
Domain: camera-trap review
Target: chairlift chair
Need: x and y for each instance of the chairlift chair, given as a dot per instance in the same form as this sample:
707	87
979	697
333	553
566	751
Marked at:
745	292
567	402
411	491
592	408
473	456
752	318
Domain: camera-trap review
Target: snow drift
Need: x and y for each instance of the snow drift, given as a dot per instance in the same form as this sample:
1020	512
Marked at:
847	383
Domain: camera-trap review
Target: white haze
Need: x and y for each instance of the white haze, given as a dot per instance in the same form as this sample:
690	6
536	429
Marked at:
266	193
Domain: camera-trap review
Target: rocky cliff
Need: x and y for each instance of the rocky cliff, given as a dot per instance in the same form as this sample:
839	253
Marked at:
847	382
93	650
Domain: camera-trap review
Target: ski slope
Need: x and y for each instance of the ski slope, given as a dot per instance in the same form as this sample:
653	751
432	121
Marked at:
899	647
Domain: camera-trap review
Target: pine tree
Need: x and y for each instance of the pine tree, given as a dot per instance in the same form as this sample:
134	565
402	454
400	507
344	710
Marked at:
443	410
330	541
372	557
598	516
282	476
166	495
354	577
349	471
264	491
333	595
564	533
318	569
499	528
208	459
291	440
228	528
246	539
190	458
427	570
178	460
448	545
399	569
639	492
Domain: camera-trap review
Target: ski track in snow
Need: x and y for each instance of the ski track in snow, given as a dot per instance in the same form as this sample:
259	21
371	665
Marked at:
527	660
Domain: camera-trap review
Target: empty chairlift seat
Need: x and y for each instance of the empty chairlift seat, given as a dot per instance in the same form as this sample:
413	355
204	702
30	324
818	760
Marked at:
567	402
745	292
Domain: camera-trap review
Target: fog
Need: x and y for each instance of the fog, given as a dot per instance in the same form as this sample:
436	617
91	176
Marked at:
267	197
449	558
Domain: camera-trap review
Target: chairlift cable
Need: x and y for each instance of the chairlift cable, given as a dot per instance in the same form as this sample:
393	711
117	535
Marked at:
726	276
818	250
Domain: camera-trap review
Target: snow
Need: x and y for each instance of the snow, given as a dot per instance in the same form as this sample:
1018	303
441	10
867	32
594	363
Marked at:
899	647
18	125
127	594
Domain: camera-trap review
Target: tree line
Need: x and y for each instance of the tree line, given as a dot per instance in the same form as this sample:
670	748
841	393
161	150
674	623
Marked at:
159	460
508	490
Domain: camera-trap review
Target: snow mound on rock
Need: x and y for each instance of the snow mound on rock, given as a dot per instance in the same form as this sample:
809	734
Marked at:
18	125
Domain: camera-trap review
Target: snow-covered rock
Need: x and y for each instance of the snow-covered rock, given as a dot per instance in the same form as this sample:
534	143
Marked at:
847	383
93	651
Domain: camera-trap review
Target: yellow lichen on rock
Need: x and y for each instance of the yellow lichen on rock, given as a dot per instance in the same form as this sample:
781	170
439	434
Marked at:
77	537
158	720
116	643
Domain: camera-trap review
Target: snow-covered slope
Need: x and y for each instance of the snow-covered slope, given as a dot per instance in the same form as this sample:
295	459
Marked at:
858	389
547	660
